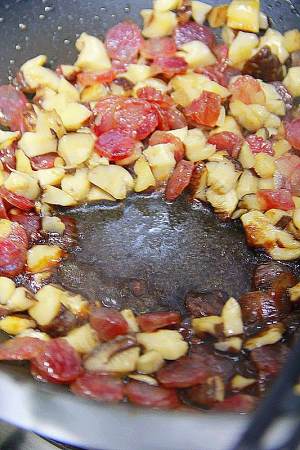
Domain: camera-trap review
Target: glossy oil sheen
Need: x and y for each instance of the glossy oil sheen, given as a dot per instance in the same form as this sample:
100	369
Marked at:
171	248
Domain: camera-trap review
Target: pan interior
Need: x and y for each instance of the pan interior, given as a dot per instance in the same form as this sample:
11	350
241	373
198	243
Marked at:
145	254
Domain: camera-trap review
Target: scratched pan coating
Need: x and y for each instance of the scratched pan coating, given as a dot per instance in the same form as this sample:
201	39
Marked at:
173	248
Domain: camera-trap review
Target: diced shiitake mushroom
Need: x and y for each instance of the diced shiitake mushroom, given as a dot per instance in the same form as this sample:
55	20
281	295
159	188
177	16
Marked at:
42	257
169	343
131	320
274	102
144	175
244	15
292	81
120	355
239	382
35	144
52	224
294	293
15	325
55	196
197	54
200	11
222	176
266	337
291	40
20	300
274	40
150	362
218	16
223	204
8	137
144	379
231	345
115	180
50	177
95	194
7	288
247	184
252	117
36	75
48	305
93	56
22	184
161	160
77	185
165	5
23	162
232	318
211	324
241	49
83	339
137	73
158	23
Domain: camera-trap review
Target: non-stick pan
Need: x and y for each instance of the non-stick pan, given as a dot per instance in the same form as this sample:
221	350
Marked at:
171	249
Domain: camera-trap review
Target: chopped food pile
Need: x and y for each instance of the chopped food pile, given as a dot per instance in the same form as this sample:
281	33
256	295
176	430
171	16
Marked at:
171	108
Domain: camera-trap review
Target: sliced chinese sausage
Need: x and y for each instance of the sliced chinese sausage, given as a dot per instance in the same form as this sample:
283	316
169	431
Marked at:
115	144
155	47
153	95
123	41
194	369
17	200
30	221
204	304
43	161
144	394
58	362
13	104
13	248
226	140
136	116
104	114
205	110
239	403
3	212
192	31
104	388
261	307
208	393
170	65
21	348
269	359
276	198
248	90
258	144
108	323
179	179
292	131
153	321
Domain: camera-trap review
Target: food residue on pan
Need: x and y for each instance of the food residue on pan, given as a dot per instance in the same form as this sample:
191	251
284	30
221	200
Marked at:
168	108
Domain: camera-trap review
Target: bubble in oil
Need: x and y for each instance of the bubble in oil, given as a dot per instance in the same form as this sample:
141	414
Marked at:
103	9
77	35
22	26
27	38
113	16
12	62
49	8
81	19
127	9
1	19
66	41
18	47
42	16
70	17
59	28
96	17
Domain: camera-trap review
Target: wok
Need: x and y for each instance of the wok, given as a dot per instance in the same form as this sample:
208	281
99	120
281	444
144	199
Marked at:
172	248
